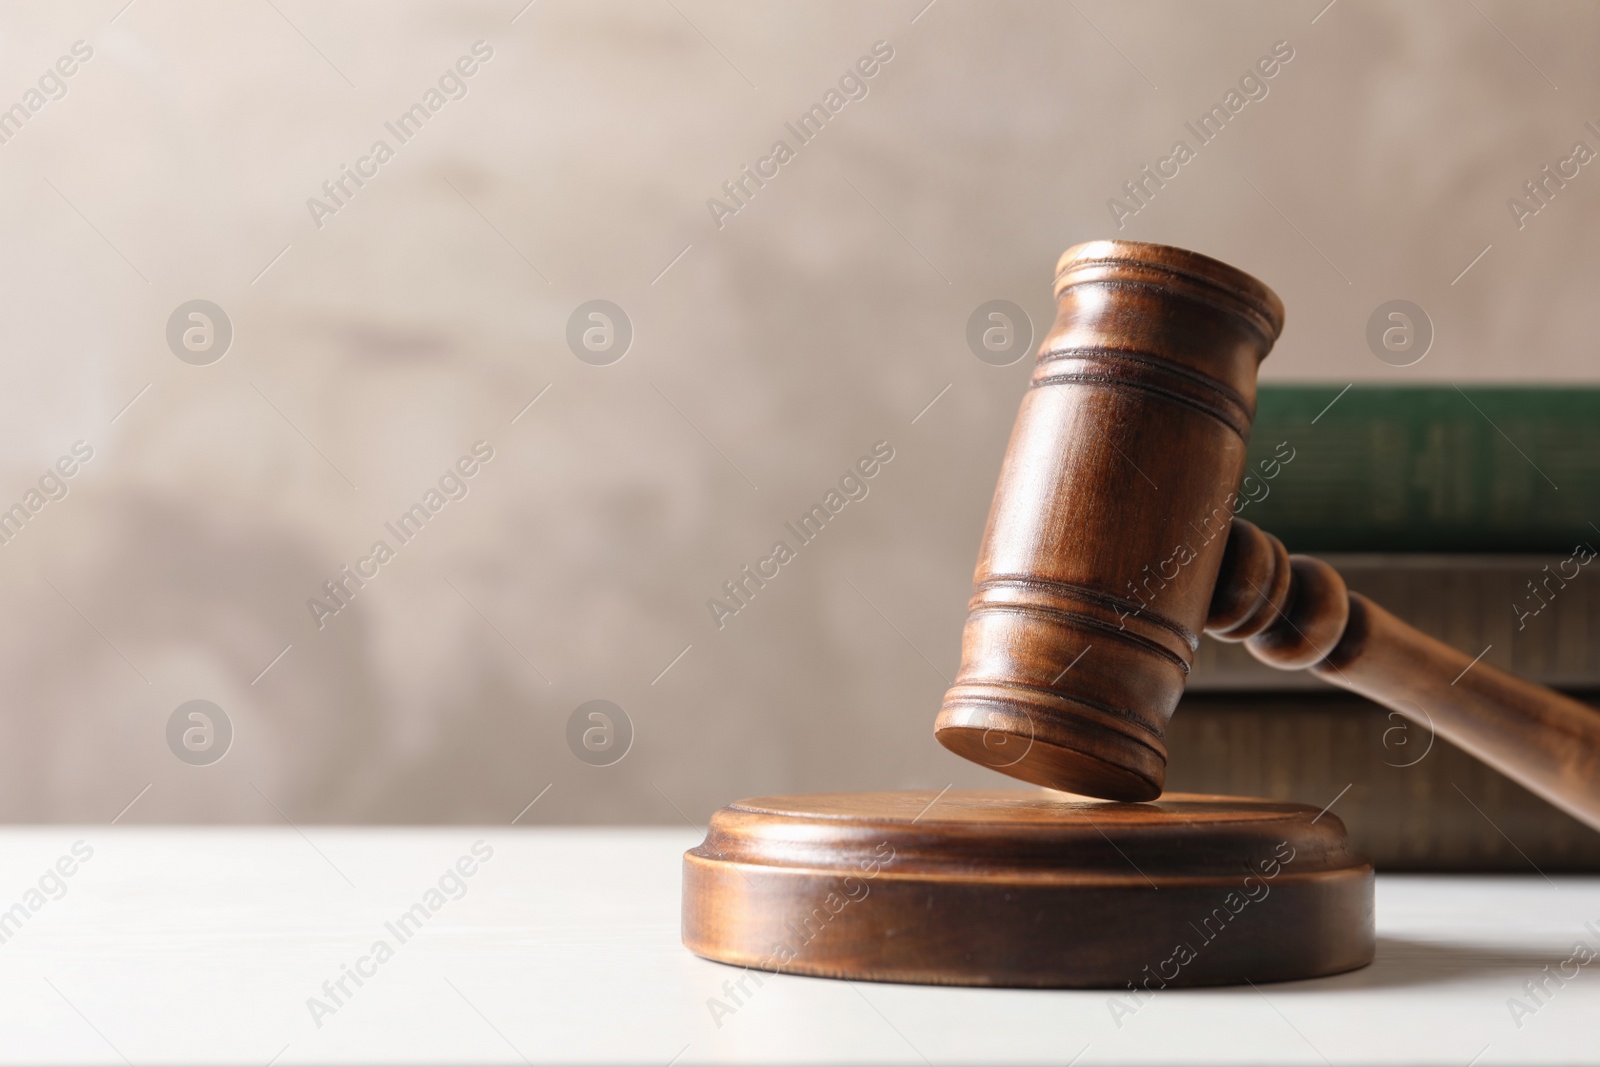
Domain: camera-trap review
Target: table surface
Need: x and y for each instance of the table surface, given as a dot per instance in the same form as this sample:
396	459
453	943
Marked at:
561	945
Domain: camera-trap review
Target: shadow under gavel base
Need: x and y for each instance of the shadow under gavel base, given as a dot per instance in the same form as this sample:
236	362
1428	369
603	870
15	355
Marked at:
1029	888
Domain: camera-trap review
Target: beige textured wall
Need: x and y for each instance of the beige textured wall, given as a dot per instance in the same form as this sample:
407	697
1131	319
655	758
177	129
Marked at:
767	358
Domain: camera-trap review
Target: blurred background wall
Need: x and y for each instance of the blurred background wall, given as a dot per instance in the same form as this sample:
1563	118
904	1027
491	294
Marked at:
377	338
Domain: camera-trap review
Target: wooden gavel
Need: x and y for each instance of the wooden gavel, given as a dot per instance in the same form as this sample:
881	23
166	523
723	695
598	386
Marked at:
1112	541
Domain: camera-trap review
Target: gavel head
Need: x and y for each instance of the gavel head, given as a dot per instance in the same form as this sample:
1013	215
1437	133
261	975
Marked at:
1110	519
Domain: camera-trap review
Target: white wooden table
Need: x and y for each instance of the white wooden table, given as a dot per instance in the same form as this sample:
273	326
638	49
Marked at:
204	946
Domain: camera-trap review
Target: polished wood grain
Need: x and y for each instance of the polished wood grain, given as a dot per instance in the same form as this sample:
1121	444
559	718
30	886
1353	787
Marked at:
1112	541
1028	888
1294	612
1110	519
1098	570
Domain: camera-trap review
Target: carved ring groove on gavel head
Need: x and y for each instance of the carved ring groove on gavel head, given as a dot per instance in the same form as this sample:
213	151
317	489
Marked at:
1110	520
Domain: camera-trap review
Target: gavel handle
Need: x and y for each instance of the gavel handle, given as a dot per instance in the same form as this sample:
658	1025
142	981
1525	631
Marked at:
1294	612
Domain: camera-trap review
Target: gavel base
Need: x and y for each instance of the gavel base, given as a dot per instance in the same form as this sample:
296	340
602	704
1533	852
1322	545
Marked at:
1029	888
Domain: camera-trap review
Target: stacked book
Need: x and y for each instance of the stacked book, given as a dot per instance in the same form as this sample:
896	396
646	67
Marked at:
1473	514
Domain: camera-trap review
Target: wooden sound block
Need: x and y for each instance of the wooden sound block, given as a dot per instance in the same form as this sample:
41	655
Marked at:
1029	888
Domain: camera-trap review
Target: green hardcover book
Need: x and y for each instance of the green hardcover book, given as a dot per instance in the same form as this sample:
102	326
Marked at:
1426	468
